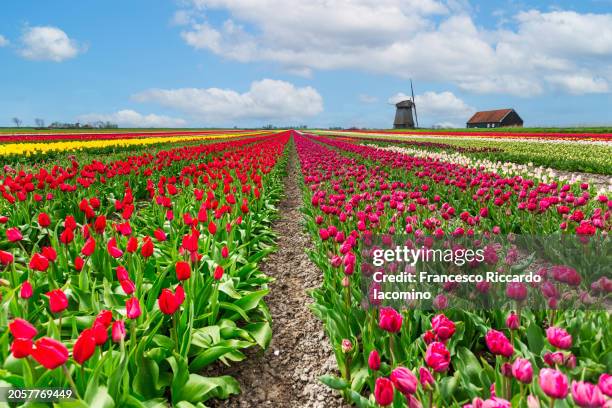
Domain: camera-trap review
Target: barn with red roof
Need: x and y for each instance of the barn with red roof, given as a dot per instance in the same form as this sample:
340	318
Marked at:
495	118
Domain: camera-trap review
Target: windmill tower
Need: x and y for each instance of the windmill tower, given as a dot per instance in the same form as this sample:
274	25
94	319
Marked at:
403	113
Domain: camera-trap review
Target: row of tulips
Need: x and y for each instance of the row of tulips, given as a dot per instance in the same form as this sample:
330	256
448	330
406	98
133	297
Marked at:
450	357
124	280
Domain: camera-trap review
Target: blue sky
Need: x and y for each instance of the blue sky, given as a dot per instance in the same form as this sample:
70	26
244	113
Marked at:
321	63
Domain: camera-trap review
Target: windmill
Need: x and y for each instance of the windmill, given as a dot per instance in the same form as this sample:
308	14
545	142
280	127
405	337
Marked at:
403	113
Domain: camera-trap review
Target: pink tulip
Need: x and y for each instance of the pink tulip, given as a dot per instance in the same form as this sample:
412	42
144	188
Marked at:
390	320
553	383
587	395
559	337
522	370
437	357
404	380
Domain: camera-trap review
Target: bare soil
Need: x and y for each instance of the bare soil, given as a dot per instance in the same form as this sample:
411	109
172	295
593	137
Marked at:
286	375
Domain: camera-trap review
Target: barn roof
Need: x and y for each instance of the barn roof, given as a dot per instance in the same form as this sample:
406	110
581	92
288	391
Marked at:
492	116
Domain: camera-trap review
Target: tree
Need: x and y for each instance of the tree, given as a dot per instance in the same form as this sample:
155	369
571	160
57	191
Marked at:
17	121
40	123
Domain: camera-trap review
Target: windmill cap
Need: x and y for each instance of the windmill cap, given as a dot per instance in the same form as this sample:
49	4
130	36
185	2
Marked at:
404	104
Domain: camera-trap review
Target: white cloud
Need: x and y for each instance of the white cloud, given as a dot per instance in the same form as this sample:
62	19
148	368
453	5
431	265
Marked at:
426	40
48	43
367	98
3	41
437	106
579	84
266	99
130	118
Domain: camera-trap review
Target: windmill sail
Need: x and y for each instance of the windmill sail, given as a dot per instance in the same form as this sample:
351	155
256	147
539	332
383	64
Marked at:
416	117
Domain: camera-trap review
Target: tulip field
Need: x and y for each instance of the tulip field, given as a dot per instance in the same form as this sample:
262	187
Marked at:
131	267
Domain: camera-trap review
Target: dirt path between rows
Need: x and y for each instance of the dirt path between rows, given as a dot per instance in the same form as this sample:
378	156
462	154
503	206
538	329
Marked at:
286	375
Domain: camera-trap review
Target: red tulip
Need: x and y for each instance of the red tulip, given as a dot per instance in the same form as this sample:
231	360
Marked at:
218	274
49	353
118	331
105	318
443	327
122	273
13	235
132	245
26	290
84	346
390	320
128	286
427	380
437	357
383	391
89	247
39	262
22	329
167	302
112	248
132	308
498	343
374	360
100	333
67	236
49	253
79	263
212	228
404	380
183	270
147	247
224	252
58	301
512	322
179	294
6	258
559	337
553	383
100	224
44	220
21	348
160	235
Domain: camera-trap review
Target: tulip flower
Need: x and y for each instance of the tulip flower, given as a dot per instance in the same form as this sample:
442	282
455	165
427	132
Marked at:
437	357
522	371
147	247
6	258
167	302
132	308
79	263
89	247
39	262
224	252
587	395
218	274
183	270
49	353
22	329
498	343
553	383
374	360
559	337
404	380
128	286
383	391
84	346
118	331
21	348
13	235
100	333
512	322
26	290
122	273
605	384
426	378
132	245
390	320
443	327
44	220
58	302
105	318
